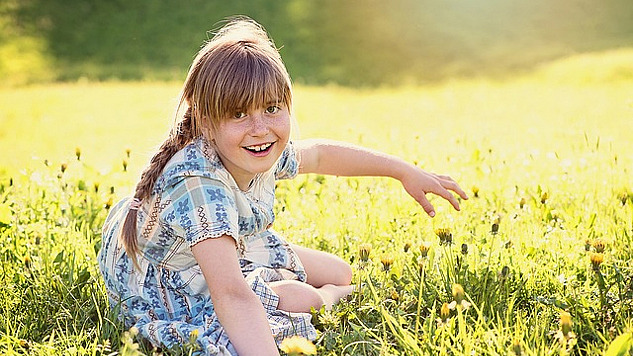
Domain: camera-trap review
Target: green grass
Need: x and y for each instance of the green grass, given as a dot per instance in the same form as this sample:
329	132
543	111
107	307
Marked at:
549	156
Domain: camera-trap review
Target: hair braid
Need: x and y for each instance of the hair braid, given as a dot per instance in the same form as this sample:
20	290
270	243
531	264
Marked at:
181	134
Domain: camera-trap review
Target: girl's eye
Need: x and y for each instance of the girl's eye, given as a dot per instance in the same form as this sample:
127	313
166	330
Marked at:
272	109
239	115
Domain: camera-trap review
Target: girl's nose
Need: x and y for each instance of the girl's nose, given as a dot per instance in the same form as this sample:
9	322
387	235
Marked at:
258	125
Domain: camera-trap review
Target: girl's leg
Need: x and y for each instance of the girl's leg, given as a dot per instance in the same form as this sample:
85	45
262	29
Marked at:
323	268
299	297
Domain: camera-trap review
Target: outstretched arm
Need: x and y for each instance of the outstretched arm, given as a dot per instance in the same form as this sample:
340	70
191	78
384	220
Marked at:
342	159
238	308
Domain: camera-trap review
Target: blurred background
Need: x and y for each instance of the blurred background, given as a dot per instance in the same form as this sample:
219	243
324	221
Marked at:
349	43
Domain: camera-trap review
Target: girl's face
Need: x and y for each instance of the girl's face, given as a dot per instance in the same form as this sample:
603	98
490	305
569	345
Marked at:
250	142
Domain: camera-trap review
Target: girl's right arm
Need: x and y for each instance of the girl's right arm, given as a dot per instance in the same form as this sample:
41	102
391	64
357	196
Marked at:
238	309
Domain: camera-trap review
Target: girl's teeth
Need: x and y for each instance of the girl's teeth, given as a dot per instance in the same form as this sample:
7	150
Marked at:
259	148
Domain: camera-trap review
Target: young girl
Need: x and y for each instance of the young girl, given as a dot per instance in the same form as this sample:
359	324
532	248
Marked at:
192	254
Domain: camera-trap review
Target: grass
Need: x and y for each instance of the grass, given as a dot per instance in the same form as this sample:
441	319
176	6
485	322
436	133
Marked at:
545	158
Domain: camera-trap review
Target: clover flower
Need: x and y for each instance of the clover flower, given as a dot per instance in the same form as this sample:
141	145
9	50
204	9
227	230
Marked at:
297	345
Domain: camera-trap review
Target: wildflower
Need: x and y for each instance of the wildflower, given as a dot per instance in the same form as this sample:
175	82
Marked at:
63	167
599	245
522	203
565	323
386	260
27	261
464	249
503	274
363	252
96	186
596	260
544	197
458	295
421	264
127	152
407	246
494	228
588	244
394	295
46	163
458	292
297	345
108	204
424	248
193	335
78	152
125	165
475	190
111	189
516	347
445	235
445	312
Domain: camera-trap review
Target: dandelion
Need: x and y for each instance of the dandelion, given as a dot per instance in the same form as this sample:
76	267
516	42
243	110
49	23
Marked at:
522	203
445	312
63	167
297	345
516	347
458	295
424	248
445	235
96	187
108	203
386	260
503	274
599	245
78	152
193	335
125	165
394	295
475	190
127	152
363	252
565	323
407	246
494	229
588	244
27	261
596	260
544	197
464	249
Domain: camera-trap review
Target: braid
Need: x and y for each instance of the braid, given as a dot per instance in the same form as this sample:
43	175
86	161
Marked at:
179	137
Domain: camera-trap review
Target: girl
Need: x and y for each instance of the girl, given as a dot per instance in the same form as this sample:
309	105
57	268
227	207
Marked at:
192	254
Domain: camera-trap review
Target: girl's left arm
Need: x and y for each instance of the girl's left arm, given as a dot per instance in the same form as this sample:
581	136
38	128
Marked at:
343	159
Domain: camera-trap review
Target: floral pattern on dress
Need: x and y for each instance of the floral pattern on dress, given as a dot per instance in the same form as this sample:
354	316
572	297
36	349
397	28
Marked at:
196	198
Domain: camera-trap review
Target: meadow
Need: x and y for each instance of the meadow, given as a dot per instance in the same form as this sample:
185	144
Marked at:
537	262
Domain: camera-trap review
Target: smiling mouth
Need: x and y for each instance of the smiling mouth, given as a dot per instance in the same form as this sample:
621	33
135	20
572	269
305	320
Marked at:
259	148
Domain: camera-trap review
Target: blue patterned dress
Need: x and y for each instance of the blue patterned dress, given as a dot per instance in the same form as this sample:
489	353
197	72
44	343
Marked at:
196	198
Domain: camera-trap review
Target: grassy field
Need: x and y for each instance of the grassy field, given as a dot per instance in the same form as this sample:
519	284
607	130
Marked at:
542	249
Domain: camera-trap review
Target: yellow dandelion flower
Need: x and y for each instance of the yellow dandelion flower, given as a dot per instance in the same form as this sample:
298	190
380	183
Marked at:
588	244
544	197
125	163
363	252
599	245
78	152
127	152
596	260
445	235
63	167
565	322
445	312
475	190
407	246
458	292
521	203
297	345
386	260
425	246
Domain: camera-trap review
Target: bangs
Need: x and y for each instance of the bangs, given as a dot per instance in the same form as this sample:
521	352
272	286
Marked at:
244	77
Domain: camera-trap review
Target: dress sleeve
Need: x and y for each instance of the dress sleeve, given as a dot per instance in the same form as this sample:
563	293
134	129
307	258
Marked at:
288	163
201	208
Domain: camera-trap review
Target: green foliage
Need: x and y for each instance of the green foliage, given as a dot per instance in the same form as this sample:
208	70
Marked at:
355	43
548	231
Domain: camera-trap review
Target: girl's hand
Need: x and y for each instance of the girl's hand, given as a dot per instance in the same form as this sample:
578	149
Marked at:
418	182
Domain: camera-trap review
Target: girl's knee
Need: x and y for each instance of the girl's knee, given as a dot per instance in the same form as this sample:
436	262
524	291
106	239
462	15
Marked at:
297	296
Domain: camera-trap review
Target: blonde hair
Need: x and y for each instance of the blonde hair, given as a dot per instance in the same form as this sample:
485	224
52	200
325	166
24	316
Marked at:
239	69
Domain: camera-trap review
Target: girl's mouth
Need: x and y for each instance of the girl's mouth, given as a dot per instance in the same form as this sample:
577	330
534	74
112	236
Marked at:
259	150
